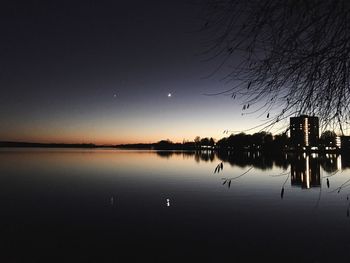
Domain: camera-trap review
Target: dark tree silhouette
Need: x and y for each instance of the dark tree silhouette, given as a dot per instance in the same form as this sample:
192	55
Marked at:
328	138
211	142
197	142
286	56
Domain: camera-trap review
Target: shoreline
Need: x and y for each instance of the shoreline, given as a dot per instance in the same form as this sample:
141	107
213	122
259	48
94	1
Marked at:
154	147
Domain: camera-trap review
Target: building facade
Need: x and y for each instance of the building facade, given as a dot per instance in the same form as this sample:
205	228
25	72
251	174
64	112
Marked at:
304	131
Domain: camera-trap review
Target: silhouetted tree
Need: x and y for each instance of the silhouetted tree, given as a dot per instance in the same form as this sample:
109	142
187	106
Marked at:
261	139
239	141
164	144
211	142
197	142
222	144
328	138
291	55
280	141
205	142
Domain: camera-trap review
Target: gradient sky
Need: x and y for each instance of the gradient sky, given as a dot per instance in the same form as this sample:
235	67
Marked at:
101	71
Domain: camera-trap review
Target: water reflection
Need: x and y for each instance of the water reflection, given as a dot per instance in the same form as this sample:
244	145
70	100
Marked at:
332	162
305	171
205	156
302	165
106	202
168	154
255	159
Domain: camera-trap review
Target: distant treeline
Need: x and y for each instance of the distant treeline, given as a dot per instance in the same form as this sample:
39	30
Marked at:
261	141
161	145
256	141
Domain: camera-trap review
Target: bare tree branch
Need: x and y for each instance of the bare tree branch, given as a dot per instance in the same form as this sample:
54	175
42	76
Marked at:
291	55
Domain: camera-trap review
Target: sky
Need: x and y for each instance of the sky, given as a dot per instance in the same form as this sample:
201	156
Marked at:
110	72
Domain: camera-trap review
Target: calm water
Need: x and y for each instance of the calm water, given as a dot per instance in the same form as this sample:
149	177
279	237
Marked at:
62	205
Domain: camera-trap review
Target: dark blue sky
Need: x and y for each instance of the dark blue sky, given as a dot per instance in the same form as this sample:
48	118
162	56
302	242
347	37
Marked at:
101	71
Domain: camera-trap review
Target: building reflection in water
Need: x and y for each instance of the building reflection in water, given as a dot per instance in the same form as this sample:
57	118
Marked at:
305	171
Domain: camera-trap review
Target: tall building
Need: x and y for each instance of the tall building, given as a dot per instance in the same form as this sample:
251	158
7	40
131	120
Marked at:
304	131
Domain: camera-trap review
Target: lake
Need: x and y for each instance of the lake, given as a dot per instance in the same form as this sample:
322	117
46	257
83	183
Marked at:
107	205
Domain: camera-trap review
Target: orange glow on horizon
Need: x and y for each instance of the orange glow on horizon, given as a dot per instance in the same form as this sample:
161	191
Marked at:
103	140
113	133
